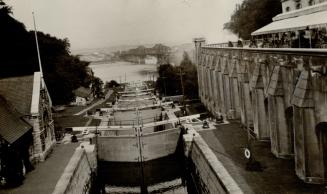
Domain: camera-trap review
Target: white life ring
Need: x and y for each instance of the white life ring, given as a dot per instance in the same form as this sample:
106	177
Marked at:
247	153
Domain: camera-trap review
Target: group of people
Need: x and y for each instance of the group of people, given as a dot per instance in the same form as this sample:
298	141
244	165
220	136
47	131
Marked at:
308	38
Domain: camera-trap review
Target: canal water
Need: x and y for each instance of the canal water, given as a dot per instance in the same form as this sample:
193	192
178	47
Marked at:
124	71
164	175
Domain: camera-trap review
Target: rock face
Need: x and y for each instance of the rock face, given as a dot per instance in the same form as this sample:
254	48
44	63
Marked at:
280	94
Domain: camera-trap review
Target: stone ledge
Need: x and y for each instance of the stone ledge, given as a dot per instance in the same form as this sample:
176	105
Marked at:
224	178
68	174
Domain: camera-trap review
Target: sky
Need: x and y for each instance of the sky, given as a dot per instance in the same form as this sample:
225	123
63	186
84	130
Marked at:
107	23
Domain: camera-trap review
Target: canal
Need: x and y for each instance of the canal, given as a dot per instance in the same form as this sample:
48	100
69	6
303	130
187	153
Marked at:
164	175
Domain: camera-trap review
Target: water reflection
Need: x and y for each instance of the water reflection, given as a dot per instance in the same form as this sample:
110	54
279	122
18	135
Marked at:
164	175
120	71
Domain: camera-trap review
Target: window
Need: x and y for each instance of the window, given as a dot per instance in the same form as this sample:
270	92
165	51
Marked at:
311	2
287	9
298	6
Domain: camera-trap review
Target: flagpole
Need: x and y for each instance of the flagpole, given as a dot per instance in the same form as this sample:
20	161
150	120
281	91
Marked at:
37	47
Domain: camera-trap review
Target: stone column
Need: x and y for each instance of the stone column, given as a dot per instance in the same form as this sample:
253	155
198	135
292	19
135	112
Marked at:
209	78
220	84
244	90
216	88
309	164
281	135
227	88
37	144
236	107
212	86
261	127
199	42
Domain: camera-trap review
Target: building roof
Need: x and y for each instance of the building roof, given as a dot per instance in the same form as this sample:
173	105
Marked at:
312	20
18	92
82	92
12	127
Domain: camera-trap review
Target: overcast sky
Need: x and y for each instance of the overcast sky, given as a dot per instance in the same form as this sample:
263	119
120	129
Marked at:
105	23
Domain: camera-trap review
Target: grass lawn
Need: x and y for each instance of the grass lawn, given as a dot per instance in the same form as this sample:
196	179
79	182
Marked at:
70	121
95	122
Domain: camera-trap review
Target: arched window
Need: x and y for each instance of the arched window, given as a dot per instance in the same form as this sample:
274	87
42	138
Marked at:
311	2
298	6
287	9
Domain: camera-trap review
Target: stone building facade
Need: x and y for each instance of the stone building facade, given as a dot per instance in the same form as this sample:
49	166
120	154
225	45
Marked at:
291	5
279	94
30	98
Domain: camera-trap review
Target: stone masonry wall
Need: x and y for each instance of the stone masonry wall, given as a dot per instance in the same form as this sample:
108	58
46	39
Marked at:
278	94
210	174
76	178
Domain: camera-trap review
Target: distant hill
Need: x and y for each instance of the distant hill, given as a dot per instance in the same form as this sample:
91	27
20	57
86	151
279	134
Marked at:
105	54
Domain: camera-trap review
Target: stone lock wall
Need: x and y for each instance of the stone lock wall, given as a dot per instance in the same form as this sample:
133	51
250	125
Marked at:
280	94
209	173
77	176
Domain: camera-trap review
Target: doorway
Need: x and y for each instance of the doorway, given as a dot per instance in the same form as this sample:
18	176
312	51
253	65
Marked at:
321	129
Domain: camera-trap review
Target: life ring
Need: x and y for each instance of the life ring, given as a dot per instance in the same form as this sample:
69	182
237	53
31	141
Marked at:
247	153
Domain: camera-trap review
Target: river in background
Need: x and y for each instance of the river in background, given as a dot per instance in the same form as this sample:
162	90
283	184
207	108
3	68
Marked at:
124	71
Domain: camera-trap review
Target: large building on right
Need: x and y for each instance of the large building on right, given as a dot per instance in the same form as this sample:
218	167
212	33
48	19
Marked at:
279	94
291	5
302	24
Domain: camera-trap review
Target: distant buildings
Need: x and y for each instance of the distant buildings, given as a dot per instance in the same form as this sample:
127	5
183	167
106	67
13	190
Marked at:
150	60
291	5
82	96
139	54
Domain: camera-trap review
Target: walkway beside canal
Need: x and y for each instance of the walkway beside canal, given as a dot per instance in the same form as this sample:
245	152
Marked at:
43	179
278	176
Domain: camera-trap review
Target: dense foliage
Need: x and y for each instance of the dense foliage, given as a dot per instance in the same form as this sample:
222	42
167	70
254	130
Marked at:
63	72
111	84
169	81
252	15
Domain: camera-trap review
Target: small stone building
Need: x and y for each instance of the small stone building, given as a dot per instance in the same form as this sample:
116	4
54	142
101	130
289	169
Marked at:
15	140
29	97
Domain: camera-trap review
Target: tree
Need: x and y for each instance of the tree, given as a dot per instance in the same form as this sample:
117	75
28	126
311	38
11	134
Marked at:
111	84
190	79
62	71
169	80
96	88
252	15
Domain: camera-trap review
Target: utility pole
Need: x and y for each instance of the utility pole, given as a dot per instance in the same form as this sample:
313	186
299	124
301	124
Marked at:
164	78
181	76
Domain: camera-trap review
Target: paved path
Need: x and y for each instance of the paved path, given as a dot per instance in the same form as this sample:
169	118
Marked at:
95	104
278	176
43	179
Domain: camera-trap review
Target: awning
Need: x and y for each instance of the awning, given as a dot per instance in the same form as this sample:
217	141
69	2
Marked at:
314	20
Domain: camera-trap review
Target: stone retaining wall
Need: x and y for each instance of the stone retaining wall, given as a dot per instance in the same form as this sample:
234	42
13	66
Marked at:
209	173
77	177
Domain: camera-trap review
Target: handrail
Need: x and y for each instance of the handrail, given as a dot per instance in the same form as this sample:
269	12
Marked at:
285	51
